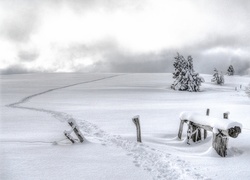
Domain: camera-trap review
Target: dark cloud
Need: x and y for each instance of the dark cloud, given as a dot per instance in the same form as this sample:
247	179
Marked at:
16	69
135	63
108	56
28	56
113	58
220	40
241	66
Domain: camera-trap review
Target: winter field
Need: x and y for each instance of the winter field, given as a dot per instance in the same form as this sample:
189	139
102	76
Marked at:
35	109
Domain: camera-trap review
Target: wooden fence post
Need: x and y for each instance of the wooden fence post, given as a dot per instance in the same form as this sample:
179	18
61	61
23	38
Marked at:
220	143
205	131
220	140
181	129
225	115
196	133
136	121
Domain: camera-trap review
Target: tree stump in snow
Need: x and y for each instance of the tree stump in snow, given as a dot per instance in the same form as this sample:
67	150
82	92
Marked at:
220	140
220	143
136	121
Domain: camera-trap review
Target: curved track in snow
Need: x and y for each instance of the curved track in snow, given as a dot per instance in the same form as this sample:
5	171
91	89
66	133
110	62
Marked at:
160	165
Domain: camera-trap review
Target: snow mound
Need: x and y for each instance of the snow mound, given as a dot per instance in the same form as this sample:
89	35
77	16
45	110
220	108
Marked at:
211	153
231	152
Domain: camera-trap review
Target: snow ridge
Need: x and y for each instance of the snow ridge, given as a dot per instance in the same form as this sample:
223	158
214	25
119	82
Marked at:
26	99
159	164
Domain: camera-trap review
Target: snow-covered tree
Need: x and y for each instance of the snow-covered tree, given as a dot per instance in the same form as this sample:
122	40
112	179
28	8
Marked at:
230	70
186	79
218	77
247	90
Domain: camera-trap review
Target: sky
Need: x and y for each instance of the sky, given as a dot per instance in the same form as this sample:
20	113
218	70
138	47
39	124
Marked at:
127	36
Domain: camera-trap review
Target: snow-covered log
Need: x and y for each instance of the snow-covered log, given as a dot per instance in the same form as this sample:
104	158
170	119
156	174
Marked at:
221	128
218	123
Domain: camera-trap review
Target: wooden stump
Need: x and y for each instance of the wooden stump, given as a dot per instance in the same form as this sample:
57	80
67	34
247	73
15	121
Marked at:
205	131
181	128
220	142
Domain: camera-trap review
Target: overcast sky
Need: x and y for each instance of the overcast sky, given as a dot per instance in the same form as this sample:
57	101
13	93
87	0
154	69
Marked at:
123	35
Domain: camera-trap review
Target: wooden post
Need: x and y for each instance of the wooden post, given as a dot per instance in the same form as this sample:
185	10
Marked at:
189	132
136	121
205	131
198	134
208	111
220	143
194	132
76	130
220	140
181	129
225	115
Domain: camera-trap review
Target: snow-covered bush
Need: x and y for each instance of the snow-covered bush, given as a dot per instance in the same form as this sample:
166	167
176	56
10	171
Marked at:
230	70
218	77
186	79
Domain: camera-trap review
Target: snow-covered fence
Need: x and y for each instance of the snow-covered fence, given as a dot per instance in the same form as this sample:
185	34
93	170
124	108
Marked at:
136	121
221	128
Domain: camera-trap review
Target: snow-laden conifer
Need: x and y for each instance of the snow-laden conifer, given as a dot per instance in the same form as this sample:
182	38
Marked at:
218	77
186	79
230	70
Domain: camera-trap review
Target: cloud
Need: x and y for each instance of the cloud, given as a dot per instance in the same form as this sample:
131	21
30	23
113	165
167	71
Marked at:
107	5
123	36
28	56
20	20
16	69
120	61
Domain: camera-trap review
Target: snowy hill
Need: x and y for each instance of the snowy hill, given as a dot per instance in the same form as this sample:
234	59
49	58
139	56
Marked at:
38	106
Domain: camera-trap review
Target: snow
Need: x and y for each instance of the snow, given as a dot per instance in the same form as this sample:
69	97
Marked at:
219	123
103	105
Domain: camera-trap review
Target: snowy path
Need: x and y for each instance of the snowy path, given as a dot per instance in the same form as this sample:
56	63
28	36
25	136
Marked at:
159	164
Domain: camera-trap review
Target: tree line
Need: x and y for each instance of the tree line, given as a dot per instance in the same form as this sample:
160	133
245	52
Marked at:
186	79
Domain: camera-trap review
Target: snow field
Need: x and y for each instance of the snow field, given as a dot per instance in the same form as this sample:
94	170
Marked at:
103	105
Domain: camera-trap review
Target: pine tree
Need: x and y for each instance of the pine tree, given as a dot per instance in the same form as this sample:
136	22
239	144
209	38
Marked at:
230	70
247	90
185	77
218	77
